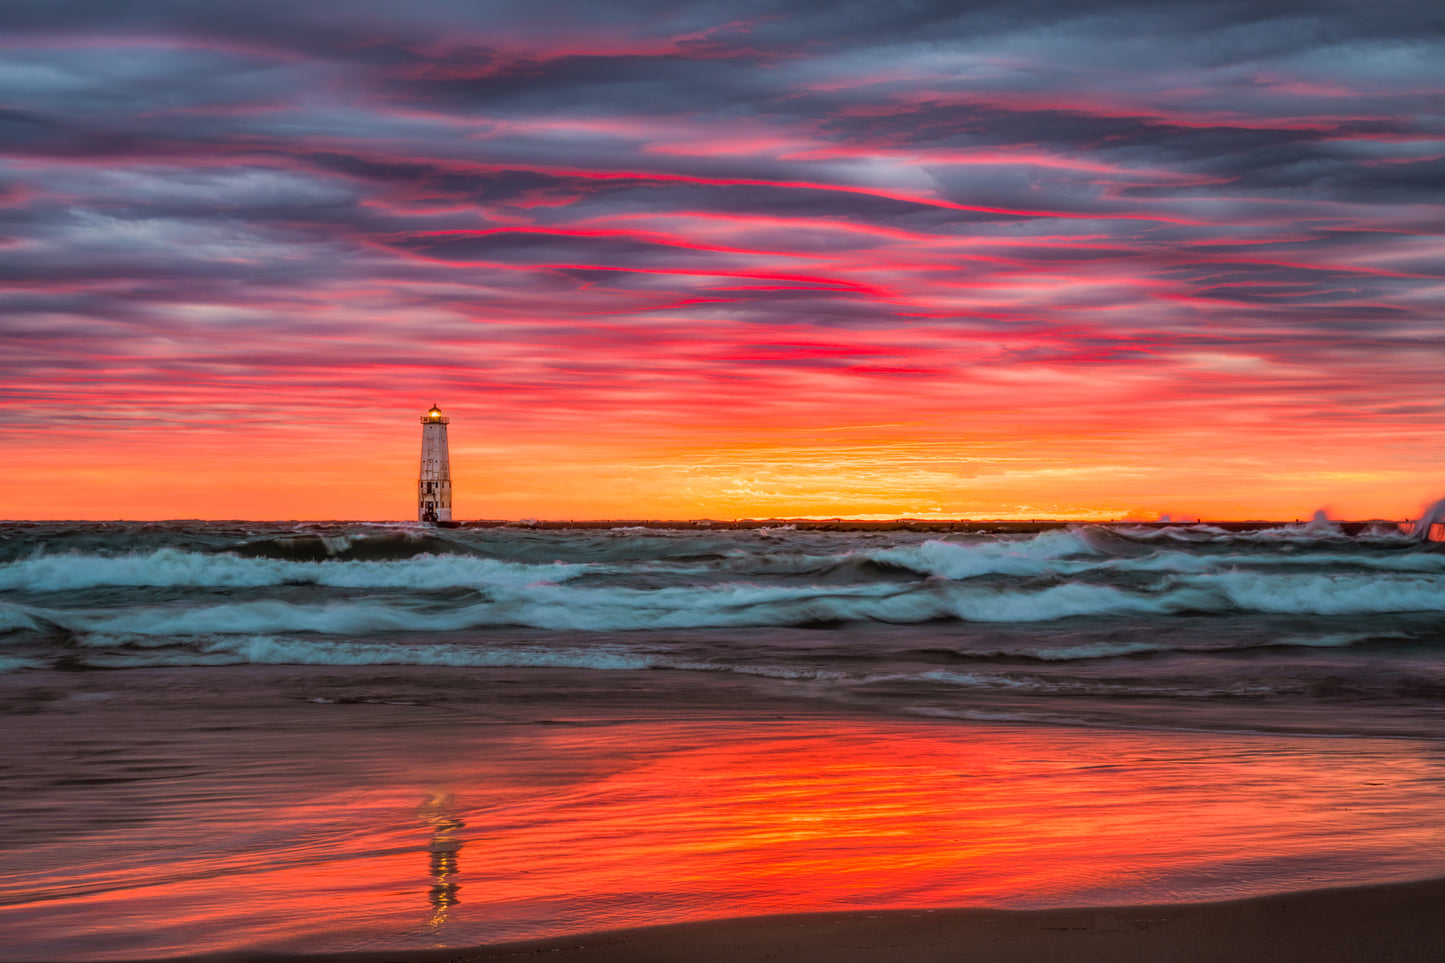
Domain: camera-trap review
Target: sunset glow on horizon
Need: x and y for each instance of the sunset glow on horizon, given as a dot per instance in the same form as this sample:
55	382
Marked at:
691	260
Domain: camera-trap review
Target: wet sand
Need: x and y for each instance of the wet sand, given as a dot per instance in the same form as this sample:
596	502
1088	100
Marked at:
401	813
1399	922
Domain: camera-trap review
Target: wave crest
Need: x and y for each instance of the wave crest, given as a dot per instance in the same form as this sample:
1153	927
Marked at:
962	560
173	567
562	606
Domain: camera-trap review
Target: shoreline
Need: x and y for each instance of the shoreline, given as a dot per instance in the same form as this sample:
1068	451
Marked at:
1393	921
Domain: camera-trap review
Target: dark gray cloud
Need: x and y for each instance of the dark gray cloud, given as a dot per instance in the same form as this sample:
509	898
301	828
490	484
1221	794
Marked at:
1210	177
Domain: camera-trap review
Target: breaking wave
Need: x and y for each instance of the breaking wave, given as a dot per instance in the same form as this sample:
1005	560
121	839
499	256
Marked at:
13	618
172	567
936	559
317	546
956	560
517	599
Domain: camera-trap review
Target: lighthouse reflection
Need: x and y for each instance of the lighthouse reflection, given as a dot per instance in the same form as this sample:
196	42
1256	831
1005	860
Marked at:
441	814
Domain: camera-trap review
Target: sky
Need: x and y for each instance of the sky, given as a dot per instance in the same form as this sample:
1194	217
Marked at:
722	260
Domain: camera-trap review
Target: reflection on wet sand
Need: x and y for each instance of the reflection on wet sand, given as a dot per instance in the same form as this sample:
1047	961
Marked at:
601	824
439	811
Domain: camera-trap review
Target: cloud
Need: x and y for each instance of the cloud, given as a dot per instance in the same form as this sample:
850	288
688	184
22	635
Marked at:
727	218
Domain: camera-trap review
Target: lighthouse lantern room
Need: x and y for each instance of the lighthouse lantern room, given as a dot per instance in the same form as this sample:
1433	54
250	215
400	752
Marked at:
434	487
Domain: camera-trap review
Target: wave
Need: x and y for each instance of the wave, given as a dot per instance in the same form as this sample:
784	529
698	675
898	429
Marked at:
318	546
1068	687
1062	556
15	619
1076	553
127	651
172	567
961	560
1067	653
416	569
1114	650
131	648
538	605
1325	594
134	651
1300	533
1187	562
558	605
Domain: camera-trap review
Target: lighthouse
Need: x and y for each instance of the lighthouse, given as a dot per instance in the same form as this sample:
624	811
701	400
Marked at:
434	487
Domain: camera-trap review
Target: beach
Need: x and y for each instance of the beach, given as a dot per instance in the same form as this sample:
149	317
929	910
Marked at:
291	812
693	481
220	752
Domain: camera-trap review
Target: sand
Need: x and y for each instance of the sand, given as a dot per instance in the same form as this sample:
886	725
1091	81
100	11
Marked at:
1396	922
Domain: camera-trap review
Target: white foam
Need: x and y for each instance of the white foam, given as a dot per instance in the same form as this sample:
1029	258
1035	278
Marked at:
961	560
1192	534
1326	594
335	544
1428	519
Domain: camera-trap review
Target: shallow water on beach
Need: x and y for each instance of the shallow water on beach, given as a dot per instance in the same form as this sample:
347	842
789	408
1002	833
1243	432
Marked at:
354	736
159	824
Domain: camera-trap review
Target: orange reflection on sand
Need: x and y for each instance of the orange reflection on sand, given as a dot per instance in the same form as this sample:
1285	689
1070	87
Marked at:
490	833
923	816
698	824
446	844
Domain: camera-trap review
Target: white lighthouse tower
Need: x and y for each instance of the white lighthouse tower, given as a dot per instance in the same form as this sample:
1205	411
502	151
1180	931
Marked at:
434	487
